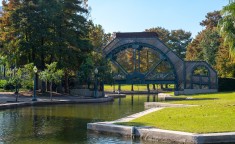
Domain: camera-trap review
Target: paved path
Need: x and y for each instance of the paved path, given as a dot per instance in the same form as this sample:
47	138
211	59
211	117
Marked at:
8	100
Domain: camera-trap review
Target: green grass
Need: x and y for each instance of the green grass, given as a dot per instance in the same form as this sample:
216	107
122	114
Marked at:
140	87
126	87
214	113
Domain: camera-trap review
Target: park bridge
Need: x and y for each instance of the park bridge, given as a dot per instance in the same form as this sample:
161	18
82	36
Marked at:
141	58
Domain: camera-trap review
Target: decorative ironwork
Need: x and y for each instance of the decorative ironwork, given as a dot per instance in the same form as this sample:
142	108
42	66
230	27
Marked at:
141	58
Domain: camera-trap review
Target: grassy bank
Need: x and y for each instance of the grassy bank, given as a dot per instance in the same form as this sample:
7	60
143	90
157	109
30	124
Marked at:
214	113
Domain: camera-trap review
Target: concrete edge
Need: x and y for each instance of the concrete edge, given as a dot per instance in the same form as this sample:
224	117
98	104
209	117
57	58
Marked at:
13	105
160	104
154	134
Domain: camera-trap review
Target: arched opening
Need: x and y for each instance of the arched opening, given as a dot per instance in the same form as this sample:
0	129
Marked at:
200	77
140	63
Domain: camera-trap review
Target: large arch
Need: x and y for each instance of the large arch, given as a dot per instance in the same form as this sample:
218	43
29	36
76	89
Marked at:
130	52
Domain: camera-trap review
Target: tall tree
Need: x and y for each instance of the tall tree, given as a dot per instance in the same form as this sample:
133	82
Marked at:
163	34
46	31
206	44
194	50
179	39
227	28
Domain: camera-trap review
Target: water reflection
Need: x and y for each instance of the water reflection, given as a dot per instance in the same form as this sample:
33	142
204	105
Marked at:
66	123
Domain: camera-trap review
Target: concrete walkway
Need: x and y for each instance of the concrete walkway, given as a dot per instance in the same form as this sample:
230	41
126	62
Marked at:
8	100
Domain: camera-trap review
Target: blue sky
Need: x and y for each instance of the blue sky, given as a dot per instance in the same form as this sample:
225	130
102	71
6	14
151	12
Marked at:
138	15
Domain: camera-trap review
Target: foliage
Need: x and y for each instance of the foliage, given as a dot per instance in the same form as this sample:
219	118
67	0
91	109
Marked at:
227	28
44	31
51	74
208	46
163	34
86	69
177	40
3	83
224	64
9	85
95	59
213	114
212	19
27	74
226	84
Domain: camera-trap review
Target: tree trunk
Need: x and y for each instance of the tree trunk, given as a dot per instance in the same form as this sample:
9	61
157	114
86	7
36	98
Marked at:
51	91
154	88
148	88
43	89
166	86
119	87
132	87
4	70
66	86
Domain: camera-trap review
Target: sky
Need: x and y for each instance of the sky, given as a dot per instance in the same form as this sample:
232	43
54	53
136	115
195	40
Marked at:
138	15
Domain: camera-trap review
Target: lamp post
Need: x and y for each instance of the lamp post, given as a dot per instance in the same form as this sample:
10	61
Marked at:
95	92
35	70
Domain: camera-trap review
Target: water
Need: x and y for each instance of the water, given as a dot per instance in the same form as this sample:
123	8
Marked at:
67	123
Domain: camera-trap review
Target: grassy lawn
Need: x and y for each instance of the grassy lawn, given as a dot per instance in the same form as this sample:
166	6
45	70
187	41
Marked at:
140	87
214	113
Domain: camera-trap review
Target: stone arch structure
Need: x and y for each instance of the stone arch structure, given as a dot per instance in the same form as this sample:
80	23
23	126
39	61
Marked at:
130	52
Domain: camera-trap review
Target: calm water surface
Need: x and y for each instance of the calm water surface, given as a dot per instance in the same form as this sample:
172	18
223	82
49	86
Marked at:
67	123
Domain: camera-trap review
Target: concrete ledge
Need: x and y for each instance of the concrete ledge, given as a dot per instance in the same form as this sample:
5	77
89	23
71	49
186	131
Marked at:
41	102
110	128
195	91
159	104
154	134
116	95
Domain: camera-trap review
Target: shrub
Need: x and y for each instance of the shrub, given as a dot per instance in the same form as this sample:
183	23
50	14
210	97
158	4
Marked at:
226	84
3	83
9	86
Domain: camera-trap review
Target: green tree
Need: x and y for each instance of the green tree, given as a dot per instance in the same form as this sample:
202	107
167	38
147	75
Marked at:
210	45
194	50
46	31
27	74
163	34
51	74
179	40
206	44
224	65
227	28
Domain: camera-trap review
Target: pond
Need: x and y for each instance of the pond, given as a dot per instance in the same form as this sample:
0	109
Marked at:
67	123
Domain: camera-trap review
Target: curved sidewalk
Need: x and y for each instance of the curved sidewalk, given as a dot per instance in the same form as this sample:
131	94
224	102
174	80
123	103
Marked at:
8	100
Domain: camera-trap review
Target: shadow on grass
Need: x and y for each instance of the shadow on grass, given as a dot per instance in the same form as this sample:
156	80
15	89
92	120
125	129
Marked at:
137	124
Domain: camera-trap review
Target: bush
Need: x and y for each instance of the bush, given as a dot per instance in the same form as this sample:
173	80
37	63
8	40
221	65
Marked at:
27	84
9	86
3	83
226	84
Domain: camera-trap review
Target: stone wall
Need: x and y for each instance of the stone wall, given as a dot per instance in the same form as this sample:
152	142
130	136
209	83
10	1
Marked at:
85	93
